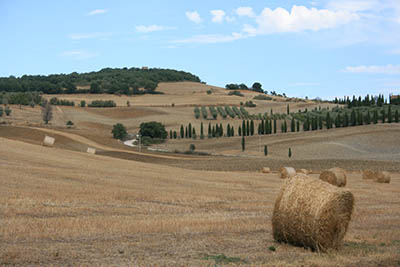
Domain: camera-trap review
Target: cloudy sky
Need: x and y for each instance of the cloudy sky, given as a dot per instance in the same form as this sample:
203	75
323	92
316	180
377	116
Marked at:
320	48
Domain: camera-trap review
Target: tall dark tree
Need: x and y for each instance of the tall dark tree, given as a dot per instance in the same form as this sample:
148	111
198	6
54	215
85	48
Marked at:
360	120
274	126
257	87
290	152
298	125
247	128
320	123
345	120
182	132
368	118
243	144
239	131
209	131
252	127
201	130
47	112
390	117
265	150
353	118
244	131
292	126
383	115
119	131
396	116
190	130
288	109
328	121
375	117
262	127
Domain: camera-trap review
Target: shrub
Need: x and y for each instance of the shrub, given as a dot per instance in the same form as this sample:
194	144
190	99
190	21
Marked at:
102	104
237	112
213	112
222	112
7	110
209	92
262	97
244	112
119	131
61	102
192	147
204	112
250	104
69	124
236	93
230	112
197	112
83	103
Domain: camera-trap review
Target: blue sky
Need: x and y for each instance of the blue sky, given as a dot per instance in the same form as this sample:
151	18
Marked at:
319	48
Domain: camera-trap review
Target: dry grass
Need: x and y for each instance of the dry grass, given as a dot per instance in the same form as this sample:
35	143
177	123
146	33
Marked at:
62	207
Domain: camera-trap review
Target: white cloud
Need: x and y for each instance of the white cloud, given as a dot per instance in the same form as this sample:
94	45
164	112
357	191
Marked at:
79	36
77	54
194	16
388	69
218	15
299	19
354	5
245	12
152	28
212	38
97	12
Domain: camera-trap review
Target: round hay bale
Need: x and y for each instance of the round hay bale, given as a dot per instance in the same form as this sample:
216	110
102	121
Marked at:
311	213
303	171
265	170
287	172
368	175
48	141
335	176
382	177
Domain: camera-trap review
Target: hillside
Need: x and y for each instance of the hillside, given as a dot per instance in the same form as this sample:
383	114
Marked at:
107	80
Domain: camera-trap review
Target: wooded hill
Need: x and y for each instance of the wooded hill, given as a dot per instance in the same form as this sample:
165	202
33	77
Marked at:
108	80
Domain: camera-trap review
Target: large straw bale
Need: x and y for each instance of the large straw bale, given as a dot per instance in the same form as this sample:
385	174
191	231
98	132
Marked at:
335	176
287	172
48	141
382	177
368	175
91	150
265	170
311	213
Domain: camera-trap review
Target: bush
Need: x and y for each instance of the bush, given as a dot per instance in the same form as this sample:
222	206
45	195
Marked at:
230	112
7	111
119	131
262	97
70	124
197	112
209	92
250	104
237	112
236	93
222	112
61	102
153	130
204	112
192	147
213	112
244	112
83	103
102	104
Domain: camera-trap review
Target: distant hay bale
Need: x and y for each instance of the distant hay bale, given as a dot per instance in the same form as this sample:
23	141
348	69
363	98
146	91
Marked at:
265	170
287	172
48	141
335	176
303	171
91	150
368	175
382	177
311	213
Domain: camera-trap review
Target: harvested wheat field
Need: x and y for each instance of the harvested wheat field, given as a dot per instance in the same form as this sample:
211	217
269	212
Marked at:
63	207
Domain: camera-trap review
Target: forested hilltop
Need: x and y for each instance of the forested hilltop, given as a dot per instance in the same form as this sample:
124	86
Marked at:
108	80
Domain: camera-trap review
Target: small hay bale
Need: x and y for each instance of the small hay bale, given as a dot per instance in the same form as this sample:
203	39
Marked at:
287	172
91	150
311	213
335	176
265	170
382	177
48	141
303	171
368	175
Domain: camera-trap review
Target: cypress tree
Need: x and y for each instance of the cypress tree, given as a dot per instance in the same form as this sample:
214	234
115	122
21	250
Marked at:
360	118
292	126
252	127
170	134
368	118
337	121
305	126
287	109
243	143
221	130
298	125
396	116
270	127
228	130
285	126
320	123
244	128
201	131
213	131
186	132
217	132
274	126
194	136
232	131
383	115
265	150
182	132
262	127
247	128
266	127
390	118
290	152
282	128
239	131
259	129
375	118
209	130
353	117
346	120
328	120
190	130
175	135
